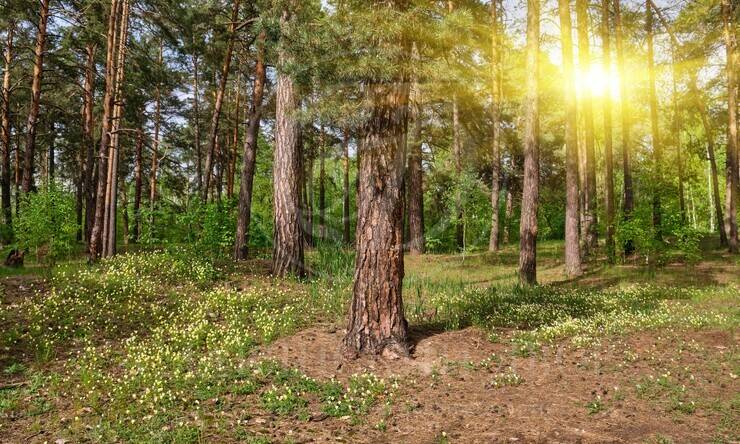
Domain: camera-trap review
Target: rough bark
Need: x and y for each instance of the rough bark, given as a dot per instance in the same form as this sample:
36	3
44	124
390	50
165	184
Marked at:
376	317
96	236
33	113
496	93
111	203
628	199
590	236
572	246
249	155
657	179
530	185
732	193
287	252
610	205
218	104
5	127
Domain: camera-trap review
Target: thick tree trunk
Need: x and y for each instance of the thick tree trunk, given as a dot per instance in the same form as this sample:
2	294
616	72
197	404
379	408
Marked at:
572	246
376	318
415	201
111	204
732	193
345	188
657	180
611	249
590	235
5	127
216	116
33	113
88	125
496	93
287	250
531	185
241	246
95	244
628	199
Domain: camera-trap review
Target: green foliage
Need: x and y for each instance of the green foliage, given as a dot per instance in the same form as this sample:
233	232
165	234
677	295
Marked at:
46	225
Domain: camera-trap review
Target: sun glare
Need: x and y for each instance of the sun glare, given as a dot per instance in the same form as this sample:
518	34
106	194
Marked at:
599	81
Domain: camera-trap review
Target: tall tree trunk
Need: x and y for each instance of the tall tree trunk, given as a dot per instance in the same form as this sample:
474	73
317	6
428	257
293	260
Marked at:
376	318
733	180
241	246
287	251
5	127
33	113
457	159
531	185
216	117
657	179
345	188
628	204
111	204
496	74
96	236
88	138
610	204
138	180
196	116
322	185
590	226
572	246
415	201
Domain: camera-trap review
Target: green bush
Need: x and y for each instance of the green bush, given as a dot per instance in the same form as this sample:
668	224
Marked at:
46	224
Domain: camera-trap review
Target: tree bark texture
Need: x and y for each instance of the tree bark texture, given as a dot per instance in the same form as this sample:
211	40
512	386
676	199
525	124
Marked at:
249	155
5	126
33	111
530	185
572	242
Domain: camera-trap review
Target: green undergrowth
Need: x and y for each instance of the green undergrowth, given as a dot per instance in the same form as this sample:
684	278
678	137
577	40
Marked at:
547	314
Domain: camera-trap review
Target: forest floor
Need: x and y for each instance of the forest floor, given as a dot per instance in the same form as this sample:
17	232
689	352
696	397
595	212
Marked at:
163	347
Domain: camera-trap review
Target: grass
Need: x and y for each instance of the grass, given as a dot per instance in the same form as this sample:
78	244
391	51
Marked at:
146	346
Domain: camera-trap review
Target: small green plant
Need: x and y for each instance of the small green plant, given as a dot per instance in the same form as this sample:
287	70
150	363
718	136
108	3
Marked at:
595	406
506	379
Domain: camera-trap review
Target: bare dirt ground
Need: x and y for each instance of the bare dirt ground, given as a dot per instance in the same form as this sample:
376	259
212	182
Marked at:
445	395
